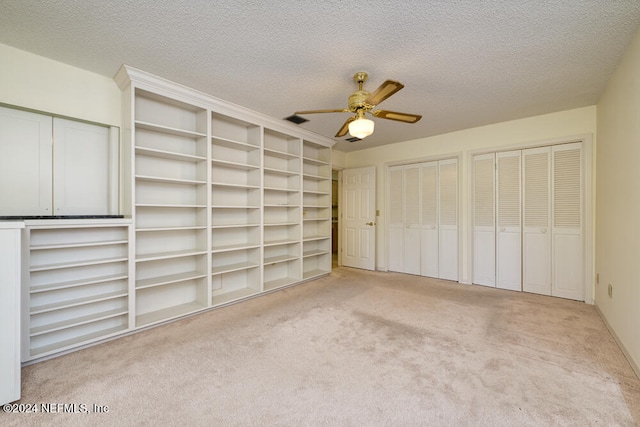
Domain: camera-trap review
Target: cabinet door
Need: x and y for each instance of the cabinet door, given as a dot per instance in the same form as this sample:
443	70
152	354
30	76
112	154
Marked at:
448	219
567	222
484	226
83	178
536	244
508	241
429	216
25	163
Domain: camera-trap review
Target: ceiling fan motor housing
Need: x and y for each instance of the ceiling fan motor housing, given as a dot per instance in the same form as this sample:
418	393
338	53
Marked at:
356	100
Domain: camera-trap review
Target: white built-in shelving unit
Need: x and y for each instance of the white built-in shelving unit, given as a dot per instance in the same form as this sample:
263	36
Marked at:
220	204
282	210
77	283
171	195
235	208
316	175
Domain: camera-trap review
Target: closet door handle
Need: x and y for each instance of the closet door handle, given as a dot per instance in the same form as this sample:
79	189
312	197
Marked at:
370	223
543	230
502	229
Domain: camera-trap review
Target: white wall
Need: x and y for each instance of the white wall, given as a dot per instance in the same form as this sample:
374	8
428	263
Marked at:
37	83
548	127
618	202
338	159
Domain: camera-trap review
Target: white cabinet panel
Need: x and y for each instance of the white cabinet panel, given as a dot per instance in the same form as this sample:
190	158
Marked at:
10	254
25	163
84	178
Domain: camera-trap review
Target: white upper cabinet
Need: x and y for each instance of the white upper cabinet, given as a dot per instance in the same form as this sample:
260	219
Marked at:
53	166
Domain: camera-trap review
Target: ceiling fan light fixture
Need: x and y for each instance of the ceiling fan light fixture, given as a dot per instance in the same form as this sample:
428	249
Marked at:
361	128
362	102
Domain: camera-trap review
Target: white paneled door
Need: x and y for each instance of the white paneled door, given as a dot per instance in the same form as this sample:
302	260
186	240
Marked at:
358	218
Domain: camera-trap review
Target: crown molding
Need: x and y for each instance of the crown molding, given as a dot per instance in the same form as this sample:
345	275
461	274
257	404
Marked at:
128	75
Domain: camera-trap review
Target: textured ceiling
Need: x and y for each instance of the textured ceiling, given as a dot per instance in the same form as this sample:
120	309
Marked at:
464	63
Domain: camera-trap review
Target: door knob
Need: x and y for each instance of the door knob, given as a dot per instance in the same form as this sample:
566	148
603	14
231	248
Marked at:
370	223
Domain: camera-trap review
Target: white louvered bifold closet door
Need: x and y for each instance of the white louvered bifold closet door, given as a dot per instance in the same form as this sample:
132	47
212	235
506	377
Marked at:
536	232
567	252
412	227
396	219
448	219
508	240
429	245
484	229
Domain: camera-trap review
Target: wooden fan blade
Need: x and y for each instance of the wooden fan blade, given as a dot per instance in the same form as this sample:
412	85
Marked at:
345	128
393	115
385	90
342	110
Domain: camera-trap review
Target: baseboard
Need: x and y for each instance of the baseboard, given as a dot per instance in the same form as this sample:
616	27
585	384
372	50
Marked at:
633	364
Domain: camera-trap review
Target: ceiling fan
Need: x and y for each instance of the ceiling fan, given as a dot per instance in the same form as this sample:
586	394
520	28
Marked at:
361	102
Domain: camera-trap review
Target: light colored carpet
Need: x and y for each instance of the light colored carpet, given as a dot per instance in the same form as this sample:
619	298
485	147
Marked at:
355	348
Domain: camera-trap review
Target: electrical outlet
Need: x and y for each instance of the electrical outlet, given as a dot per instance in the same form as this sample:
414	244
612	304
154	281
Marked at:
610	290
